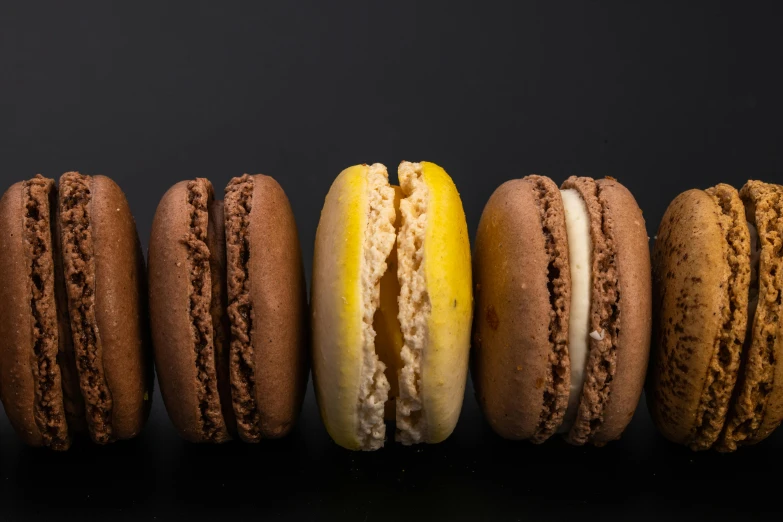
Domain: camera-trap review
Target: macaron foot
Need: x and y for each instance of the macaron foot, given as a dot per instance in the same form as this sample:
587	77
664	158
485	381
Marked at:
79	266
758	403
605	312
204	299
379	237
238	204
558	377
414	302
49	413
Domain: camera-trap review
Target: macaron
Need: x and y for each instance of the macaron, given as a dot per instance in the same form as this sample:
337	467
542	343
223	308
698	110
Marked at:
561	330
74	337
715	378
228	310
391	345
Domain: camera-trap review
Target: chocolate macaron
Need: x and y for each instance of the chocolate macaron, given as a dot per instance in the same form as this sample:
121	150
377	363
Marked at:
716	380
228	310
562	323
73	340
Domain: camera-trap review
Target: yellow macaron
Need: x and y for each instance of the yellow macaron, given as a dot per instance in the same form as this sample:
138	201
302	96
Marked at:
391	326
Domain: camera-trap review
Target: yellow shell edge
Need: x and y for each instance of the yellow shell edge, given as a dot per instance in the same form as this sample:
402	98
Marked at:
449	284
336	305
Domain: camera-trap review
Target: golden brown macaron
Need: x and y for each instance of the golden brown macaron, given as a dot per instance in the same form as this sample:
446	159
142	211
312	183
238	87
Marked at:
562	322
73	342
228	310
718	273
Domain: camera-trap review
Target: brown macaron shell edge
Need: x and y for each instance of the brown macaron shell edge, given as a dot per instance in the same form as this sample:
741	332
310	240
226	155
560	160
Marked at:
18	362
103	264
757	407
634	282
188	390
278	293
518	324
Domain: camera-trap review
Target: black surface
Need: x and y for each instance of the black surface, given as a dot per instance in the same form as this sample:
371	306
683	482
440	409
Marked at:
663	98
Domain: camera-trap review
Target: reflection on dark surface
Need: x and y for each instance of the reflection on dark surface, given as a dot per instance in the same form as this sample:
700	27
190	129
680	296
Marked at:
474	475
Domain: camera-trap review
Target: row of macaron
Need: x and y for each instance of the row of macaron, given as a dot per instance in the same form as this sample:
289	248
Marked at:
560	311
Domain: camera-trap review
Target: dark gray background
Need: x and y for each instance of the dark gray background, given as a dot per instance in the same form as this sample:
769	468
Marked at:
663	98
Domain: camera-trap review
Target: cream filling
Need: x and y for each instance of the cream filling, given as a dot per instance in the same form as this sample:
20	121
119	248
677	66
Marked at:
580	248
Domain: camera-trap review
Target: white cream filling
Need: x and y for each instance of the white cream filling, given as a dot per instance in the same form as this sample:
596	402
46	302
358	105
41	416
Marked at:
580	248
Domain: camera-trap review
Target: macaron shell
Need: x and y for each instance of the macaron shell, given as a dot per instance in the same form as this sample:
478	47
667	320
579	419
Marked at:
169	299
511	335
691	274
17	386
758	403
448	275
632	259
774	409
336	305
121	314
277	291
